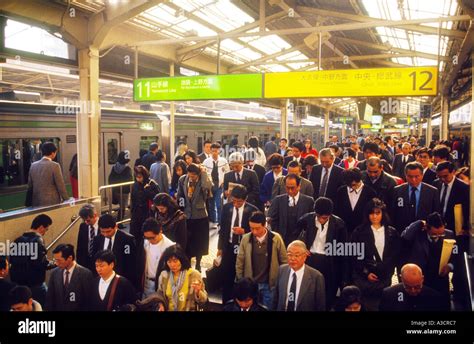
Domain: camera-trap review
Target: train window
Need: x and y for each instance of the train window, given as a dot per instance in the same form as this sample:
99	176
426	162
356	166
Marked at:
112	151
145	141
16	157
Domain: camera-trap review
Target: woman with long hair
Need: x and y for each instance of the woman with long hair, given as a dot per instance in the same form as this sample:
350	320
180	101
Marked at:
381	244
171	219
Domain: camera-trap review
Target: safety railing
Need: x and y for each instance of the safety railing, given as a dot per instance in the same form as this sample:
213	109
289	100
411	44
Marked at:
107	200
74	220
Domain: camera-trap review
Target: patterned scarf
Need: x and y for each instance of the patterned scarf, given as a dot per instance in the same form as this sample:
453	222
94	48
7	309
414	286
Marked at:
176	287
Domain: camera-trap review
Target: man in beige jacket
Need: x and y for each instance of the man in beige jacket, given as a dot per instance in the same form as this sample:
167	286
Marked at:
261	253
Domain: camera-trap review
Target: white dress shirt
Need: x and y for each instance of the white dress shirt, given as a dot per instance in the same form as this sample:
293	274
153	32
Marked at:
106	241
448	192
322	175
293	201
354	195
234	214
96	230
104	285
320	239
154	253
351	164
379	235
299	279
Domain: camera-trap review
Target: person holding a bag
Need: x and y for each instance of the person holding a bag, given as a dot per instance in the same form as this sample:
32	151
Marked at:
180	288
194	189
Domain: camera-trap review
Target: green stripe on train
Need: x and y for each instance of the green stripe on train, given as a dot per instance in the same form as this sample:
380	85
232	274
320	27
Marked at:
17	200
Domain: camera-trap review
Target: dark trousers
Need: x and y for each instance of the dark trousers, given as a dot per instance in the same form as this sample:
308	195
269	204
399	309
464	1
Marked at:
321	263
228	272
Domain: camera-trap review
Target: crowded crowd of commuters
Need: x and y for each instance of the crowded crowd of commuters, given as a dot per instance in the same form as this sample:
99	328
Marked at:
361	224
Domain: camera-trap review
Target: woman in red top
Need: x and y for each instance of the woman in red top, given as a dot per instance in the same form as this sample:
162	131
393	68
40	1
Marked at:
309	149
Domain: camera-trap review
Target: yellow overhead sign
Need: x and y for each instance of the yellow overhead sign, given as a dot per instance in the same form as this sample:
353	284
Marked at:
412	81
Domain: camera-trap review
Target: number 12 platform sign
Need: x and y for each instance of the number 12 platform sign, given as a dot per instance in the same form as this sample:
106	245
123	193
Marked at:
412	81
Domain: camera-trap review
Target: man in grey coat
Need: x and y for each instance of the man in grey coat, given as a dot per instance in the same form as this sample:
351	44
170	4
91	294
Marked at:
299	286
70	283
46	179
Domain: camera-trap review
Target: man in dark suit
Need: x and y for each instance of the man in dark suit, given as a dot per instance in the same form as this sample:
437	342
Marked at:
286	209
381	182
109	290
150	157
423	243
5	285
297	148
299	287
322	233
411	294
206	151
401	160
452	191
372	149
270	147
235	223
120	243
243	176
455	193
352	198
251	165
326	177
70	283
88	230
413	200
423	156
306	187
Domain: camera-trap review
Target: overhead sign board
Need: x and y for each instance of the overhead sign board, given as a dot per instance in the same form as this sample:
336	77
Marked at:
411	81
198	87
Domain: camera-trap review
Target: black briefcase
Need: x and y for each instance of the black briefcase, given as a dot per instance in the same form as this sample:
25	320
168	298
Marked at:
213	279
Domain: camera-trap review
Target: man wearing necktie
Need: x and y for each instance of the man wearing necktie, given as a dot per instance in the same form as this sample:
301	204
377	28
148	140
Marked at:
299	286
88	230
413	200
69	284
286	209
424	242
401	160
120	243
235	223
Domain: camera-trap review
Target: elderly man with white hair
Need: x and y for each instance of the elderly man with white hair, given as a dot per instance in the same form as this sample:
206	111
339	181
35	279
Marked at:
299	286
411	294
240	175
401	160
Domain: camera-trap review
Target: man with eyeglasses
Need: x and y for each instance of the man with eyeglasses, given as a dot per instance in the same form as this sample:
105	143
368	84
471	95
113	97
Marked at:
411	294
299	286
286	209
423	241
149	254
323	232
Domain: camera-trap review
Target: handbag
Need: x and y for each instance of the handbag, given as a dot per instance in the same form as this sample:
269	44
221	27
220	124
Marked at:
213	279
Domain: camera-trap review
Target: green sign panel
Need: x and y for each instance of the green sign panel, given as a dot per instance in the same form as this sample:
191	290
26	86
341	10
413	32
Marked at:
199	87
346	120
